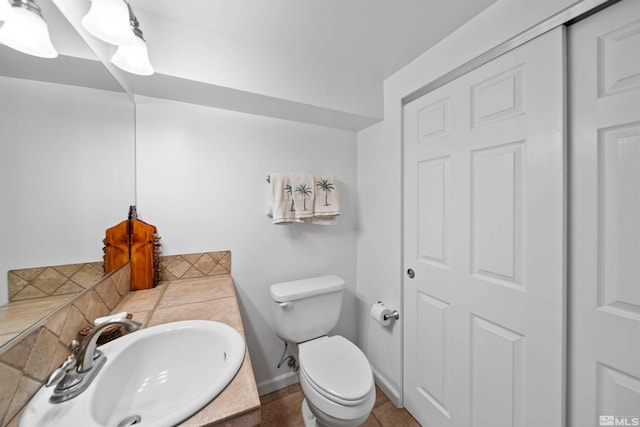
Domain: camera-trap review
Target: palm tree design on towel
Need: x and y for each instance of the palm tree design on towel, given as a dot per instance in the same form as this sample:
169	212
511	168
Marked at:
289	191
305	191
327	187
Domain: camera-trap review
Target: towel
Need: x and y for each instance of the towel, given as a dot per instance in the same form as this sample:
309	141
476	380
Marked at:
303	187
303	198
326	204
280	199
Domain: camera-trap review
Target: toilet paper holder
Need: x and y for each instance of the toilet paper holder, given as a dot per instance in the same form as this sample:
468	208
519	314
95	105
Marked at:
394	314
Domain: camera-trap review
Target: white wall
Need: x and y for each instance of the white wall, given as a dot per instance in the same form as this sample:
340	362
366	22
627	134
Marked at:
201	176
66	172
379	265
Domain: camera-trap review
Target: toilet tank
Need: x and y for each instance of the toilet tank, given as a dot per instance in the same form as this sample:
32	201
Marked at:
306	309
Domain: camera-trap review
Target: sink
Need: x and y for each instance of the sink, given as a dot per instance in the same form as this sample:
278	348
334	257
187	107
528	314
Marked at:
158	376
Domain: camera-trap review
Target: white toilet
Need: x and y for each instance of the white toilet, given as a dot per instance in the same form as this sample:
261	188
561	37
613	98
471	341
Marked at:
335	375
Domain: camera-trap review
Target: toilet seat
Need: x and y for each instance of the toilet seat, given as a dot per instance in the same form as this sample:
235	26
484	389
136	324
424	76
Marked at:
336	369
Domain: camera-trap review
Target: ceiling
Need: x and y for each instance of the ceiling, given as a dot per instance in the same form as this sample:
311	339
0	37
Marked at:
377	37
315	61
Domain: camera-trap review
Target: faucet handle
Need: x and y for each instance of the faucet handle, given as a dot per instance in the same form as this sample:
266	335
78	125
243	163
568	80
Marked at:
59	374
74	346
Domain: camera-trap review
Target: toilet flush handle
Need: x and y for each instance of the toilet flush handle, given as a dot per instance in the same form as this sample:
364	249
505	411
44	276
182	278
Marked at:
285	304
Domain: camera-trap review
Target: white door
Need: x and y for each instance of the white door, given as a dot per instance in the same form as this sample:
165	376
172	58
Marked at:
604	277
484	198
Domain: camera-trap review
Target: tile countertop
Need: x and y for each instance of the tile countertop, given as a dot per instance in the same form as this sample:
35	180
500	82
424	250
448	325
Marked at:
202	298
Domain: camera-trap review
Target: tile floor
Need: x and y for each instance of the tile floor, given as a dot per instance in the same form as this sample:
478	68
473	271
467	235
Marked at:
282	409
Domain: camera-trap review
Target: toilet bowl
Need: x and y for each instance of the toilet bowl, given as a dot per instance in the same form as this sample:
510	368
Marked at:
336	377
337	381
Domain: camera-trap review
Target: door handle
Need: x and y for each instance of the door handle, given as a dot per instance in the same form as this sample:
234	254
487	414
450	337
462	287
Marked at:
411	273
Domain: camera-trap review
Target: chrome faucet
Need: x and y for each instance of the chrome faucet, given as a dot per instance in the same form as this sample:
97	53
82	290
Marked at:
80	368
87	351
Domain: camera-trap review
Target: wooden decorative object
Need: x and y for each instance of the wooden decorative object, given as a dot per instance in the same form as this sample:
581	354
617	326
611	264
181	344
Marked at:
143	257
136	242
116	247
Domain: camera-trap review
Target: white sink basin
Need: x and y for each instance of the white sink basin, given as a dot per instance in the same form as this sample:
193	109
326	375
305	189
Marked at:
157	376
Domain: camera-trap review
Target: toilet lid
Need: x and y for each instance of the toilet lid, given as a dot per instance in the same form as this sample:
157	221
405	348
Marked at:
337	367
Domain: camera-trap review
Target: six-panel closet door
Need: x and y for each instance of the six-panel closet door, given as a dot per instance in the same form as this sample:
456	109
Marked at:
604	279
484	233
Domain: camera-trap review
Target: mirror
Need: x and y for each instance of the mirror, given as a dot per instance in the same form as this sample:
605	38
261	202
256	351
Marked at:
67	162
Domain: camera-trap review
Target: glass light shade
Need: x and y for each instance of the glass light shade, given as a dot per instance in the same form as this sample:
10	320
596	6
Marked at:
108	20
26	31
133	58
5	9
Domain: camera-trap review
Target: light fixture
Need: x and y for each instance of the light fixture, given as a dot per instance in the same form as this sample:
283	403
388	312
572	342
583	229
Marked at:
5	8
133	57
26	31
108	20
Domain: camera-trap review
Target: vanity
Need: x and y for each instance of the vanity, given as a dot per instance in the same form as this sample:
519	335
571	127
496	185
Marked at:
202	298
186	294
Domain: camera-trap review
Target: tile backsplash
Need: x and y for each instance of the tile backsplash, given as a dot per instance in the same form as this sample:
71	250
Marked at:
26	362
188	266
38	282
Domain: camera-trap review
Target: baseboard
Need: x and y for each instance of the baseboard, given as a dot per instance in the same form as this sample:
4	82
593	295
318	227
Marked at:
290	378
389	390
276	383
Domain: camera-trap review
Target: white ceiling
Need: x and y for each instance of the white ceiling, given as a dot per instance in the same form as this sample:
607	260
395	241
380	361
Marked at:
325	60
361	36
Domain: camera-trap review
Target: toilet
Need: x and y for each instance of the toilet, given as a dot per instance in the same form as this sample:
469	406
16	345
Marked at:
335	375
